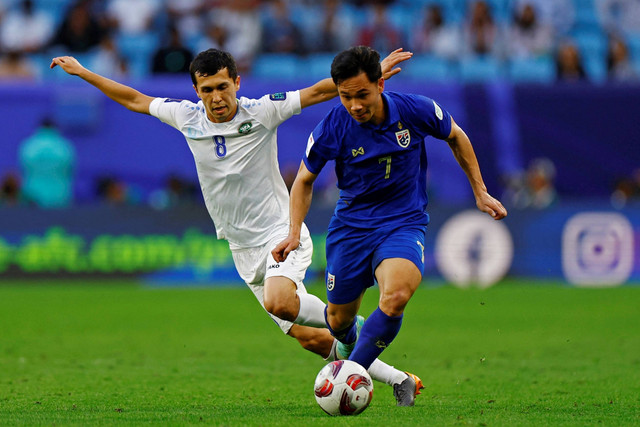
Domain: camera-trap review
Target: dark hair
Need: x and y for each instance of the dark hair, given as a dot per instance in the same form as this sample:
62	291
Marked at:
210	61
353	61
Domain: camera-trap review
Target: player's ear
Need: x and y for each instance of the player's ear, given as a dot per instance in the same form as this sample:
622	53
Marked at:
380	85
197	91
237	83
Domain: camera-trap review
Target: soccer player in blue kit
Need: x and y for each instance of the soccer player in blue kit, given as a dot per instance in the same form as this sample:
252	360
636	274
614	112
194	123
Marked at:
377	231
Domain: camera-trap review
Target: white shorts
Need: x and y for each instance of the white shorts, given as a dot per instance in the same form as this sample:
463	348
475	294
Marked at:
256	264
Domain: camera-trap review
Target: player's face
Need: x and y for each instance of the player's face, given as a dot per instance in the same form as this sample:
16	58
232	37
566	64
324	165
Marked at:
362	98
218	94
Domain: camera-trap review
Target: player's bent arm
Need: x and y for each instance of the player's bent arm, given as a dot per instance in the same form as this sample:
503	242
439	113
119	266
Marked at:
325	90
465	156
299	203
122	94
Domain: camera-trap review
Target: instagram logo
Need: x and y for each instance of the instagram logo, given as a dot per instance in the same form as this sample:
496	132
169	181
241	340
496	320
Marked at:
597	249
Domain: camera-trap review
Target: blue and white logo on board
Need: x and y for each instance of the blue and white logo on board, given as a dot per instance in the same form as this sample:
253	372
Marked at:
597	249
472	249
403	137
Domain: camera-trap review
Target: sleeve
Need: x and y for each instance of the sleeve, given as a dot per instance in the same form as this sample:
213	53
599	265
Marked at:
435	120
322	146
169	111
275	108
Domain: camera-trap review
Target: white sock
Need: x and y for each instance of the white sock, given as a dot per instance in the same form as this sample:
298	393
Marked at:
311	311
332	354
384	373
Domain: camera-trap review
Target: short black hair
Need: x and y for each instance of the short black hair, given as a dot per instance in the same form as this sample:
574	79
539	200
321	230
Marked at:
210	61
353	61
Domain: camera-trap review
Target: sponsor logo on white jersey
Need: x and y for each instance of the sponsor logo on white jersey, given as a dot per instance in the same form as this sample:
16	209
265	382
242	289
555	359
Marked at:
245	128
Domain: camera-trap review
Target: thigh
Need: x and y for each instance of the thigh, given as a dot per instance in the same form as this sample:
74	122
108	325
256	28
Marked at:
295	266
349	254
405	243
258	291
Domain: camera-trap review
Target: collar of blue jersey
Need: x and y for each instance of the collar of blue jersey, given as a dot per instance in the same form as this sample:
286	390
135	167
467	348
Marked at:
391	114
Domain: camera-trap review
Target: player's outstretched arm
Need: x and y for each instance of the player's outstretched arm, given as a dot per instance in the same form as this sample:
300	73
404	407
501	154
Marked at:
299	203
124	95
325	89
463	151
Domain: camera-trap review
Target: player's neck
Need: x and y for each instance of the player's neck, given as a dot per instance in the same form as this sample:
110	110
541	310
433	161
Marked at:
381	113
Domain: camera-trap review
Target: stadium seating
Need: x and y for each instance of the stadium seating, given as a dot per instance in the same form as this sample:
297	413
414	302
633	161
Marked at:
278	65
477	69
429	67
532	70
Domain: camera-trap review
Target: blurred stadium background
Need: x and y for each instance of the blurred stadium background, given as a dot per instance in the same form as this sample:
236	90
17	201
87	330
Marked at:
548	91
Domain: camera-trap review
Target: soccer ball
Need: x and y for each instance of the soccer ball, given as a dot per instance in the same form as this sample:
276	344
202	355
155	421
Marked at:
343	387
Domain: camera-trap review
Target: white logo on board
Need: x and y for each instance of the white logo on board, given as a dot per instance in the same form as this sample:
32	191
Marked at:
472	249
597	249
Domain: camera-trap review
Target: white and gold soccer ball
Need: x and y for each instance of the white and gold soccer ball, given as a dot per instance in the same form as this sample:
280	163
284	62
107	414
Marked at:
343	387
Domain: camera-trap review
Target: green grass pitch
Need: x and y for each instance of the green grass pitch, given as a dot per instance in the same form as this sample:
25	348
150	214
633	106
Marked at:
521	353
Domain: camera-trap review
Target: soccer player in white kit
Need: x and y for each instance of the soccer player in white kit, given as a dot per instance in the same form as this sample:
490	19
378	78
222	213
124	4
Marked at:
234	145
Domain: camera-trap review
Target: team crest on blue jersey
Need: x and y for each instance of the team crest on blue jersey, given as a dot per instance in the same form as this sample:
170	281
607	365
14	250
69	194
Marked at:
280	96
245	128
403	137
359	151
331	281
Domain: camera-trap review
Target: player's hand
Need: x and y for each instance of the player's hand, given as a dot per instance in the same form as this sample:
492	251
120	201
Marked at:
68	64
393	59
491	205
284	248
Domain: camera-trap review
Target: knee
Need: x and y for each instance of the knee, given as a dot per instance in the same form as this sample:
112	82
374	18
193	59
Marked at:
338	320
394	303
315	340
280	308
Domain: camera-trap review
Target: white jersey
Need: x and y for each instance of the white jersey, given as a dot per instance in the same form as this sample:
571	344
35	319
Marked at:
237	163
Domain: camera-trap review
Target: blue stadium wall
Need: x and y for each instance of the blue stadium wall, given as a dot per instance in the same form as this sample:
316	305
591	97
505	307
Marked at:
589	132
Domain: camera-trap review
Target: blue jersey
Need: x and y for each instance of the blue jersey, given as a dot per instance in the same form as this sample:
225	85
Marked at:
381	170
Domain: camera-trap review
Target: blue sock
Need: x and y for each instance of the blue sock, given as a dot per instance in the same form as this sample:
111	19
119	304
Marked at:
378	332
347	335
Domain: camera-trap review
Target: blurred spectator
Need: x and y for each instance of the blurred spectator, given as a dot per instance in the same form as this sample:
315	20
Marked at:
177	192
481	32
626	190
569	63
620	15
528	37
187	17
336	32
216	37
173	57
108	61
133	17
15	65
112	191
26	29
241	22
533	188
47	160
380	33
80	30
541	175
558	14
619	66
284	35
433	35
10	190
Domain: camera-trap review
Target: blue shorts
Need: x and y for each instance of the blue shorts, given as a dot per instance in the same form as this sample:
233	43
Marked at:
353	254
